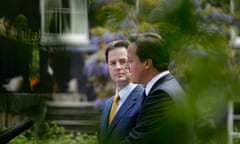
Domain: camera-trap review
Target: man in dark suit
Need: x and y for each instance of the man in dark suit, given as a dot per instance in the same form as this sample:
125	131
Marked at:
113	129
164	117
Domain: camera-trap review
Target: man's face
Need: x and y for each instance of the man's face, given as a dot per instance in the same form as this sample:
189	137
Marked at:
135	65
117	65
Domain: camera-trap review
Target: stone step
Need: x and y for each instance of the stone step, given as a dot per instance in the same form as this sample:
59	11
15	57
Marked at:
74	116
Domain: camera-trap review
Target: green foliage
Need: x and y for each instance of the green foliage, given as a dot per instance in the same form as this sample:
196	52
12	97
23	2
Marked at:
53	134
197	35
21	24
19	30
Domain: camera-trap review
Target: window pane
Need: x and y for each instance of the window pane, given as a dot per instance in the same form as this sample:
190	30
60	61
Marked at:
65	20
51	4
52	23
51	16
65	4
66	16
65	23
79	17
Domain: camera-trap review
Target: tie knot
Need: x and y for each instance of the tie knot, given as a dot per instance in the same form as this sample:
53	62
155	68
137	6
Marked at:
116	97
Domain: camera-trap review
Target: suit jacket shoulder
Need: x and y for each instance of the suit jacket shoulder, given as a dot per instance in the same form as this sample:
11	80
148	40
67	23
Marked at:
171	86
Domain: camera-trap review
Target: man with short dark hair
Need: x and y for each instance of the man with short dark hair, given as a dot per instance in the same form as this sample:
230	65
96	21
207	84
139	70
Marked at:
164	117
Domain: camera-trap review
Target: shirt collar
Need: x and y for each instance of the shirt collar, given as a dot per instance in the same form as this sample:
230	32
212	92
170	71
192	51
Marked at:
154	80
123	93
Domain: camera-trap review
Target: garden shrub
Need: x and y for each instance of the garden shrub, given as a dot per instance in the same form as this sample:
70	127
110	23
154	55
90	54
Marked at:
51	133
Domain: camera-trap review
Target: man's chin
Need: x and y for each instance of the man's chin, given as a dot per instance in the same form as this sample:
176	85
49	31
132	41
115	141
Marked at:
123	80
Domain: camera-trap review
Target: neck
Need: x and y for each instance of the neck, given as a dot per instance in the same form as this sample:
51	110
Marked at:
149	76
121	85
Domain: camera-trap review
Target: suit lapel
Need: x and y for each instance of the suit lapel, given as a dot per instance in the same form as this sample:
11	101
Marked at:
130	101
106	112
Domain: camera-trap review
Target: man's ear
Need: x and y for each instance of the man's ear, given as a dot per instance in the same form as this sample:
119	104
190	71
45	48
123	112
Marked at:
148	63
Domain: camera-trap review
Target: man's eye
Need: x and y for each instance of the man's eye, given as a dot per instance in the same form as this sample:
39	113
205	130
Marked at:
113	63
123	61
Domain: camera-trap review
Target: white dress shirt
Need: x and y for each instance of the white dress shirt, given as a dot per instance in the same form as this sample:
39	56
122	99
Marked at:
123	93
154	80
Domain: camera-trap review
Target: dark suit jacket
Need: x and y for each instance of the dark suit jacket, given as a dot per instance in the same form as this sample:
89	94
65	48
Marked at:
124	119
164	118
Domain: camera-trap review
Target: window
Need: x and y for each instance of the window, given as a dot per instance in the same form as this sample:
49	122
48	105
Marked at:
64	22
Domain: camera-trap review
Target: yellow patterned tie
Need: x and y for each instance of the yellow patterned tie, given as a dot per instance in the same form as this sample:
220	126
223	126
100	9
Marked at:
114	108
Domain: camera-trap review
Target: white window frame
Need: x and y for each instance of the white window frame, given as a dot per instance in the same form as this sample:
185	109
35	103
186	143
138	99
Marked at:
235	31
77	33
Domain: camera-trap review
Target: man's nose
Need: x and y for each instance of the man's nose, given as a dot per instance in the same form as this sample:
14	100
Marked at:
119	65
